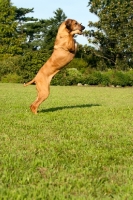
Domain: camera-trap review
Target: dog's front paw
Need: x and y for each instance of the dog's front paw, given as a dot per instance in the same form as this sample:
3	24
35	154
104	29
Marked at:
79	32
76	32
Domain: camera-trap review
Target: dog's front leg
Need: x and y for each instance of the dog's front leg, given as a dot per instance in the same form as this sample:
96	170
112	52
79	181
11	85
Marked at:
76	32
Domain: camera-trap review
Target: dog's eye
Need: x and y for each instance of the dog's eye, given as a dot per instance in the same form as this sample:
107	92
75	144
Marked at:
76	23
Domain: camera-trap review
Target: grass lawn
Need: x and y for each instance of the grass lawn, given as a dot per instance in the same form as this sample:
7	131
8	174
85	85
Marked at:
79	146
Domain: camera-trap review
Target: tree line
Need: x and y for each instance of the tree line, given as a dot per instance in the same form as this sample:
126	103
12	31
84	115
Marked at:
27	42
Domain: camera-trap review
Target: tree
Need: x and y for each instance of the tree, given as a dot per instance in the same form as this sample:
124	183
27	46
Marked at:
30	26
50	28
40	33
10	39
113	32
40	42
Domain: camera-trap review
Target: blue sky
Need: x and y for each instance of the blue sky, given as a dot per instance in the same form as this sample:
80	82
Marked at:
74	9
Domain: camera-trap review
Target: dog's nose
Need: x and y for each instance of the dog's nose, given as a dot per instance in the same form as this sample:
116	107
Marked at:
83	27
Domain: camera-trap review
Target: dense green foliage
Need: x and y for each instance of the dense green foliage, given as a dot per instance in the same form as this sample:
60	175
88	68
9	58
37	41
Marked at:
26	43
113	32
10	39
112	78
78	147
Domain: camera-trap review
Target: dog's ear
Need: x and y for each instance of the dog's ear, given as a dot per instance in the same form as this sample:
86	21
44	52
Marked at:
68	23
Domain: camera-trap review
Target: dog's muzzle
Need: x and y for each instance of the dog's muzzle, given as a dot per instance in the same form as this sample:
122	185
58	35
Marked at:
82	27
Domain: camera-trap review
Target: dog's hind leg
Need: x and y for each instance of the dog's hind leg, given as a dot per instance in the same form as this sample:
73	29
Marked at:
43	93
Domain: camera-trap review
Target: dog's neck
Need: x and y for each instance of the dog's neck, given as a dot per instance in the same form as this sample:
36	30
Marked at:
63	33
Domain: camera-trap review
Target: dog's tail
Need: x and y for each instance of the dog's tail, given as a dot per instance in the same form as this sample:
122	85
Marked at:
30	82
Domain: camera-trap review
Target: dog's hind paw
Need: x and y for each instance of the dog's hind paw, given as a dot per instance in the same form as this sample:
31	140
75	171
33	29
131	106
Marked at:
33	109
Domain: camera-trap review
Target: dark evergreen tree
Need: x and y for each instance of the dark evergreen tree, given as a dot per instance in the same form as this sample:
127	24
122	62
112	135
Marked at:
50	28
40	42
10	39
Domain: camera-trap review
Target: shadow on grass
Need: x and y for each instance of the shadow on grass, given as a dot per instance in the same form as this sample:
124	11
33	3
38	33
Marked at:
67	107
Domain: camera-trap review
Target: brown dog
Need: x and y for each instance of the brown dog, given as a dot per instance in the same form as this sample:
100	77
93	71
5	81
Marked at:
64	51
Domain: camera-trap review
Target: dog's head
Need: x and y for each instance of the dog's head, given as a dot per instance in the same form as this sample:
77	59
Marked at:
73	25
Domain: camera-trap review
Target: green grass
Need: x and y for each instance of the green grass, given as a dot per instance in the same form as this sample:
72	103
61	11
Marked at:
79	146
